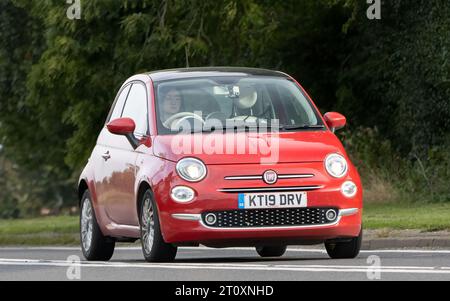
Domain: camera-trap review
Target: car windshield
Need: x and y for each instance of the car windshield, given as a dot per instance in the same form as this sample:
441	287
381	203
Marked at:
217	103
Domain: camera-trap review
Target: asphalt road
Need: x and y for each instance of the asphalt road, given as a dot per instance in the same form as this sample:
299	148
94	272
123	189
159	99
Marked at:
53	263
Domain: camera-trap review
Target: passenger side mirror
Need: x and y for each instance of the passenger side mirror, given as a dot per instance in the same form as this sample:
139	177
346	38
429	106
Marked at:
124	127
335	121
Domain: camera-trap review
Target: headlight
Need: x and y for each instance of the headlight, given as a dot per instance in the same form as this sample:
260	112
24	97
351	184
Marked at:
182	194
336	165
191	170
349	189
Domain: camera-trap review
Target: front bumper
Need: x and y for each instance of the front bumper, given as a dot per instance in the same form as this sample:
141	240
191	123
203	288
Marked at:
182	223
192	229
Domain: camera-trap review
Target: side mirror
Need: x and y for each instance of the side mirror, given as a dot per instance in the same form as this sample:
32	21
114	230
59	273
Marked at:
121	126
124	127
335	121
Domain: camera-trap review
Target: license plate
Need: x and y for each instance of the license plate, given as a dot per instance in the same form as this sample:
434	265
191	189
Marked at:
272	200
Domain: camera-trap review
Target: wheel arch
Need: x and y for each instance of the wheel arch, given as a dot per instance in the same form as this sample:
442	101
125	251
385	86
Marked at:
82	187
143	187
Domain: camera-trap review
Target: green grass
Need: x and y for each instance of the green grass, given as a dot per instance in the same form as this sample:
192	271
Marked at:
60	230
63	230
400	216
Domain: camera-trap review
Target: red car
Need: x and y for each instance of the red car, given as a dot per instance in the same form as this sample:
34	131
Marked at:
220	157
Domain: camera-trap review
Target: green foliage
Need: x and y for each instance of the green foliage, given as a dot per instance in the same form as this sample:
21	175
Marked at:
23	191
396	74
389	176
396	78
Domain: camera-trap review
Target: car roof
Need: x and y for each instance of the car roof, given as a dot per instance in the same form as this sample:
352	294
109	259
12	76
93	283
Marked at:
171	74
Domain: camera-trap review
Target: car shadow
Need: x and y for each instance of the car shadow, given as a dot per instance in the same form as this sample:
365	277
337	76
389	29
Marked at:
230	260
246	259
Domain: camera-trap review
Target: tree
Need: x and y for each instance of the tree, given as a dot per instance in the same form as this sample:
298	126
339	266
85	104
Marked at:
396	73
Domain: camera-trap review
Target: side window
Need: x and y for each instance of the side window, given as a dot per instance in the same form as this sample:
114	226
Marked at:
118	106
136	108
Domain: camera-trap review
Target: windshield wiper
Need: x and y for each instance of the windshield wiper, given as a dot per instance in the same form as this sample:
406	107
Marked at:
234	128
237	127
253	126
294	127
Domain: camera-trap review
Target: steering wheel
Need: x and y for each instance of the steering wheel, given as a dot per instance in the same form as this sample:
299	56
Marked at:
182	116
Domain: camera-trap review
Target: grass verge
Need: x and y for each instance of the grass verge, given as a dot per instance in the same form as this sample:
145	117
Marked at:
58	230
401	216
63	230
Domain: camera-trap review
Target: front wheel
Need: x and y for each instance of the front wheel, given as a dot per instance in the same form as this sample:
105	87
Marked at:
154	247
94	245
271	251
345	249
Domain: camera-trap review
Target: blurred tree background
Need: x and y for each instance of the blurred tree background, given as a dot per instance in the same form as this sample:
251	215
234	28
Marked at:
390	77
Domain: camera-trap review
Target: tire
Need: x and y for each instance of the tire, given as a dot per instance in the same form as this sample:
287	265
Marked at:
94	245
154	248
271	251
345	250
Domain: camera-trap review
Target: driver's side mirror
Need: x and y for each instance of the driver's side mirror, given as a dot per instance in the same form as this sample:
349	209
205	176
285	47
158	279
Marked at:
335	121
124	127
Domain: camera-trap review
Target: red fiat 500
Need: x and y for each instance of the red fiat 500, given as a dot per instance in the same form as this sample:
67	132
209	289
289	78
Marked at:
219	157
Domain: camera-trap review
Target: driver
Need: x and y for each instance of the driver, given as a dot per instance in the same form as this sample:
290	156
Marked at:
171	104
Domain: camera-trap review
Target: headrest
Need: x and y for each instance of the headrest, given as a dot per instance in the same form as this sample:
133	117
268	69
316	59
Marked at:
247	97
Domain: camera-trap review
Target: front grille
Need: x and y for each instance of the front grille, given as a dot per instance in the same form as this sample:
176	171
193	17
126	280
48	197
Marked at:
253	218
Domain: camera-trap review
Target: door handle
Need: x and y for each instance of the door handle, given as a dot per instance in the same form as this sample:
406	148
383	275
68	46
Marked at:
106	156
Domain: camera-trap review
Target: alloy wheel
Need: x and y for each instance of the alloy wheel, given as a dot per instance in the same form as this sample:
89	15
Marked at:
148	225
86	224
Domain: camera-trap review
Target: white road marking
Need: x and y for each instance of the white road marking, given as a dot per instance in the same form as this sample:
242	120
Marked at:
233	266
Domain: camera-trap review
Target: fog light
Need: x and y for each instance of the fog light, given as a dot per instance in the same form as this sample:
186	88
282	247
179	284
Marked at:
210	219
182	194
349	189
331	215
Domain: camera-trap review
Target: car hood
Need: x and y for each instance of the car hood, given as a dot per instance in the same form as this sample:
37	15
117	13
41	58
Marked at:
249	148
